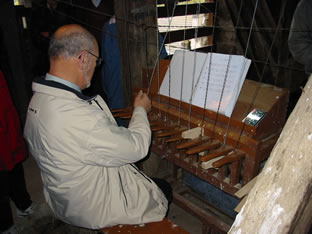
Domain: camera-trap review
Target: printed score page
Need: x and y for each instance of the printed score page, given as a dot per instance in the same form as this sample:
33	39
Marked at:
182	75
224	73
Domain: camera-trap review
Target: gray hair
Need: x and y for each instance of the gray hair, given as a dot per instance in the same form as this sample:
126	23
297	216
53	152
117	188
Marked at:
71	44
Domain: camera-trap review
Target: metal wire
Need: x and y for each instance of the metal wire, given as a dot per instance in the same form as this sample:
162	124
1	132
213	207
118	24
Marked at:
182	67
258	88
194	70
162	45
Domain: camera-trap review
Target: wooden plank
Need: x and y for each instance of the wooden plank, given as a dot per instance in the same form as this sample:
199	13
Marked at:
178	35
191	10
240	204
279	200
246	188
164	226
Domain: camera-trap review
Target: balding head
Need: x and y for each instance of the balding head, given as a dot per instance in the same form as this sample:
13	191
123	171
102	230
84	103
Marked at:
69	40
73	52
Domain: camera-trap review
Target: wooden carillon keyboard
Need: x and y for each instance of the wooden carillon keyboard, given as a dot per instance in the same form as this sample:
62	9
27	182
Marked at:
223	151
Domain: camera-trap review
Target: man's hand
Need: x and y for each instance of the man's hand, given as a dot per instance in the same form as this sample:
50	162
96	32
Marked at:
142	100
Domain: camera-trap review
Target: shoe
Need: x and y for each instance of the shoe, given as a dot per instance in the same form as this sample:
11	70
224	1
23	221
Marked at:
11	230
24	213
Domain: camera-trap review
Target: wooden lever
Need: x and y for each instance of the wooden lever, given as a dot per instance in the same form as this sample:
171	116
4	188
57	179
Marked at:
126	116
156	123
157	126
193	142
123	114
228	159
174	139
160	127
121	110
170	132
219	152
203	147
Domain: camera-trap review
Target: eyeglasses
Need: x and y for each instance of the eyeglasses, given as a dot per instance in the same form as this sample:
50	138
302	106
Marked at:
98	59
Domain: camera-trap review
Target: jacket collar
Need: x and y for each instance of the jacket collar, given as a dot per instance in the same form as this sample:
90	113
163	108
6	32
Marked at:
58	85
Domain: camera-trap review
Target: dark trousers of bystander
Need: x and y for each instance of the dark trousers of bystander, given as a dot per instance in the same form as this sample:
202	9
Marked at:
13	186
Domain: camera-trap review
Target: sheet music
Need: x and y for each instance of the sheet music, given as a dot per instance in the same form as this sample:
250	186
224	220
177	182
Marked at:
226	75
182	66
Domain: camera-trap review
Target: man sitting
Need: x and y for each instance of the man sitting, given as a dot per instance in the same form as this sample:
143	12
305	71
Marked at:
85	158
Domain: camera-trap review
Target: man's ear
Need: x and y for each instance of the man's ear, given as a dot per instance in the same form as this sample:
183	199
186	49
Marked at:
83	61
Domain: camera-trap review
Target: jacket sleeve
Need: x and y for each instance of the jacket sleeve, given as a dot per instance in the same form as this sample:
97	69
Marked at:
111	146
300	37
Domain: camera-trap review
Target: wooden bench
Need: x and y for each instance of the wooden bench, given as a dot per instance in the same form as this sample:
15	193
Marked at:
163	227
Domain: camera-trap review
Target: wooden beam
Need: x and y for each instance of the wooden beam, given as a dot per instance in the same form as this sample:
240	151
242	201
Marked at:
245	190
175	36
280	200
137	43
191	10
240	205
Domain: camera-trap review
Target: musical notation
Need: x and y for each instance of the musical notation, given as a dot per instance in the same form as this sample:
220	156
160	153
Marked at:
212	79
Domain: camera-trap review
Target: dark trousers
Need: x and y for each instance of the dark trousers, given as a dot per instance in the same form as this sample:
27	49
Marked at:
13	186
165	188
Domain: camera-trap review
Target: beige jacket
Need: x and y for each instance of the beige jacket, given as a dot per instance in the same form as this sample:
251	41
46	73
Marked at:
86	159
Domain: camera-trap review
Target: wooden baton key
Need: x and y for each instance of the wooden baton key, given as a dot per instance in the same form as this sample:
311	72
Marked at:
170	132
219	152
193	142
206	146
228	159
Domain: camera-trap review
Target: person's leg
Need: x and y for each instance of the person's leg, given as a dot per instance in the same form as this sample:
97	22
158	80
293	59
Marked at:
6	218
18	190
